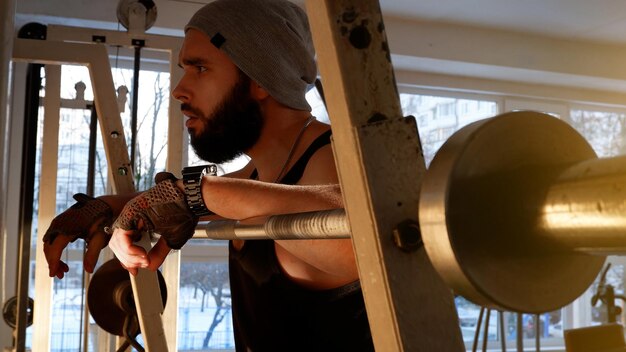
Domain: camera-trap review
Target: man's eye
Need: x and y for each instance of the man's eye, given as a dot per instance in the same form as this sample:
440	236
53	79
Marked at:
201	69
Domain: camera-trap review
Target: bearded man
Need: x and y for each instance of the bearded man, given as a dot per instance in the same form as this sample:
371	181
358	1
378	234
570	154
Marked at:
247	66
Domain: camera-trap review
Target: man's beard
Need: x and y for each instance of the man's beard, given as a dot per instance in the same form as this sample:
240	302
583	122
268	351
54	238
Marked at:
232	129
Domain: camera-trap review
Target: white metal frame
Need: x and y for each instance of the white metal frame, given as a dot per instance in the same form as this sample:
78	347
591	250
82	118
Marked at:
95	57
7	32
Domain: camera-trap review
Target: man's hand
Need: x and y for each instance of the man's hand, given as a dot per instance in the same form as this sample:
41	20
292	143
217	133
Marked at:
162	209
132	257
86	219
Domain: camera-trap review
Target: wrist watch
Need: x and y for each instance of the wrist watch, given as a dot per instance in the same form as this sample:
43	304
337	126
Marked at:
192	181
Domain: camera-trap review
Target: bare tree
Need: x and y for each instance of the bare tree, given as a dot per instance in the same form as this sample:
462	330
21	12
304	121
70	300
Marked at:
210	279
145	166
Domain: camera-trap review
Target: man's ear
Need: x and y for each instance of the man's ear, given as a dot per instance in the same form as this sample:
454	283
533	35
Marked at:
257	92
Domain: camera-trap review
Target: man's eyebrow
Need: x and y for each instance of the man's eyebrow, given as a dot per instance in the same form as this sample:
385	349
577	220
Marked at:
193	61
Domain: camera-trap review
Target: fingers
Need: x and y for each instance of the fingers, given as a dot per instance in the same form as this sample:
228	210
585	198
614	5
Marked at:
157	254
130	256
96	244
133	271
53	252
60	271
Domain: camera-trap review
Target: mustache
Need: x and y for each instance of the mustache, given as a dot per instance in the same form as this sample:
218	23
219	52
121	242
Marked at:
188	109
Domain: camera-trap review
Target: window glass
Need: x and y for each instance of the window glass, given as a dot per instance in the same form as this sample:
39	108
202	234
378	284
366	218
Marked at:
74	132
204	319
604	130
439	117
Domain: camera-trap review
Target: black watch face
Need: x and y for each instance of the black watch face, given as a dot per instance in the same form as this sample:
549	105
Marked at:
210	169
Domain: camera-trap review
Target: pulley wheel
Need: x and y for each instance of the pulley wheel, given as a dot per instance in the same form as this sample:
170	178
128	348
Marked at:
110	297
124	8
9	312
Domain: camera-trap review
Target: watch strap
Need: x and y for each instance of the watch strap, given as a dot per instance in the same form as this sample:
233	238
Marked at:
192	181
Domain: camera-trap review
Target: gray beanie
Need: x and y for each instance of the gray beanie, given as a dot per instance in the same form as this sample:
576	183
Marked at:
269	40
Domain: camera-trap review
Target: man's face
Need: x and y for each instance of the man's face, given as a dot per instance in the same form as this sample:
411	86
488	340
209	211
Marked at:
223	119
232	129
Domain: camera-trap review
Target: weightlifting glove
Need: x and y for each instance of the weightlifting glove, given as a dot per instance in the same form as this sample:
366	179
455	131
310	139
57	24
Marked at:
162	209
79	218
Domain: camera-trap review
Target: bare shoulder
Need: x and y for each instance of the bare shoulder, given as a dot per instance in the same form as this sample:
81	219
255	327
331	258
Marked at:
321	167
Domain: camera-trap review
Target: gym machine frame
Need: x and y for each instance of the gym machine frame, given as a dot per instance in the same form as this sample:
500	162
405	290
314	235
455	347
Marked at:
366	123
95	57
381	168
379	163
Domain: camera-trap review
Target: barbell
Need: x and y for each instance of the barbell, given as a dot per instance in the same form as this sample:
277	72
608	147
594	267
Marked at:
516	213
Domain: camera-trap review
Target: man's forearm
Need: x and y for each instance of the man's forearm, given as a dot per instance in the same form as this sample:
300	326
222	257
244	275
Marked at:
241	199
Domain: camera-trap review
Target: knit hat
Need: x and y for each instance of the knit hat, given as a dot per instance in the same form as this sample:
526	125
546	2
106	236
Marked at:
269	40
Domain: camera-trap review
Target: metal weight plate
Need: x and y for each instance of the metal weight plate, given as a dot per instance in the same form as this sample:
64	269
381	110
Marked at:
110	298
479	209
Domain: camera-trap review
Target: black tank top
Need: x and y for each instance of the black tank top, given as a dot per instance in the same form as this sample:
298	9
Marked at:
271	313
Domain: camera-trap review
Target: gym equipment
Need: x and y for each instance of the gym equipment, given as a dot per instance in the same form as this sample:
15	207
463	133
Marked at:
325	224
517	212
9	311
144	12
111	303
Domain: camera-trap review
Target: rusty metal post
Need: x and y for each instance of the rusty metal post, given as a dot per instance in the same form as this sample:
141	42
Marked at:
380	164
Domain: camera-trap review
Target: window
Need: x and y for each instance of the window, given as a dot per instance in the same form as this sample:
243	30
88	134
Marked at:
438	117
74	133
604	130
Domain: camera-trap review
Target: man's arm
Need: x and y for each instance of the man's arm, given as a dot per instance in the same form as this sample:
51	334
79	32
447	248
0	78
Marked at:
317	264
235	199
313	263
241	199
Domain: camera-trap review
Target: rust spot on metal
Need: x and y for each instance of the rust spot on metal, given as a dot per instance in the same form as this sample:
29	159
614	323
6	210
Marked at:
360	37
376	117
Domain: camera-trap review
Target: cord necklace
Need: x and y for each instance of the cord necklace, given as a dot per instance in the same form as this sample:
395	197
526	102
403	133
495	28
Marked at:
293	147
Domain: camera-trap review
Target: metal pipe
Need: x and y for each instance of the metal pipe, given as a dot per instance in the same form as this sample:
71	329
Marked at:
134	108
479	323
519	335
91	172
327	224
585	209
27	186
486	330
7	32
537	327
502	330
91	160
